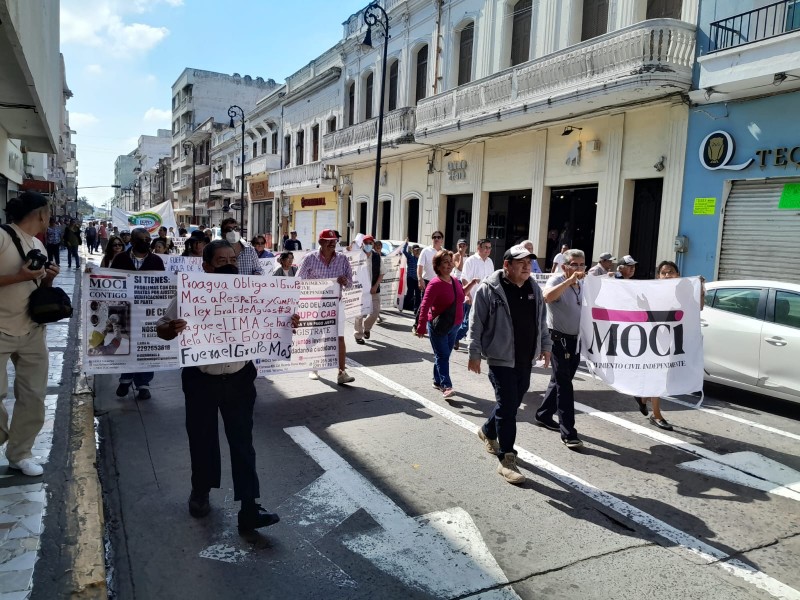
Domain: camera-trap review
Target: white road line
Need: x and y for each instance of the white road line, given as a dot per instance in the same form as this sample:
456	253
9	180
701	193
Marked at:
688	543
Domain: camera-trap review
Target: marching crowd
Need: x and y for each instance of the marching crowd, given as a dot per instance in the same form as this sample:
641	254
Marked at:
502	315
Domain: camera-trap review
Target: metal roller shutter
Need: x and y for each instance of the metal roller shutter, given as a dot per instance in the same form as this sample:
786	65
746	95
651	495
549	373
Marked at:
758	240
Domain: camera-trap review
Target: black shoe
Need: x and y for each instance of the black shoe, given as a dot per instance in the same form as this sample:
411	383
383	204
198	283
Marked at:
642	405
360	342
123	389
546	423
144	394
661	423
572	443
457	345
366	335
255	518
198	504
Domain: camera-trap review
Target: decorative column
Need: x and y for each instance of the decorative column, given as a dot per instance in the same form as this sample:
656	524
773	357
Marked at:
609	193
479	207
673	182
537	227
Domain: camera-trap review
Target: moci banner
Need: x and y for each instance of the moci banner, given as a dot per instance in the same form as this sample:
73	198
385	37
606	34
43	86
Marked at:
643	337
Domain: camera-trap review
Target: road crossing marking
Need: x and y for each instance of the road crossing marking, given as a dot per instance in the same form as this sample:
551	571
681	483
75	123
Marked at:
683	540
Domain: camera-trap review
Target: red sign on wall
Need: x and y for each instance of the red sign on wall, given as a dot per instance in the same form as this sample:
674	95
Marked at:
304	202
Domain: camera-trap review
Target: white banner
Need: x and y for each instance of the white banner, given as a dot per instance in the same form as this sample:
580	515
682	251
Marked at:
356	299
393	286
119	311
160	215
315	343
181	264
235	317
643	337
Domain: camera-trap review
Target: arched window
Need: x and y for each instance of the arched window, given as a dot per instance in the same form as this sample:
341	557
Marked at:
394	71
421	87
351	104
521	32
368	95
465	39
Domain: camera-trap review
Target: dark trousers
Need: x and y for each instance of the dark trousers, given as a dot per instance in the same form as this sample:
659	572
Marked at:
510	385
559	397
91	244
233	396
72	252
53	253
413	296
420	292
139	380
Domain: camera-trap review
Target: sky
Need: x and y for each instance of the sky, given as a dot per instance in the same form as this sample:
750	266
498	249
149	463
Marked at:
122	57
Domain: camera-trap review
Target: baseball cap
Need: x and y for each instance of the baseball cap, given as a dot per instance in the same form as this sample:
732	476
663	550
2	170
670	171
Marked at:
125	232
627	260
367	239
295	231
517	252
461	241
327	234
606	256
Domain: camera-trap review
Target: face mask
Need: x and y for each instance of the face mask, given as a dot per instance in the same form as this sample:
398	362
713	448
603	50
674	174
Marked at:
141	245
227	269
367	247
233	236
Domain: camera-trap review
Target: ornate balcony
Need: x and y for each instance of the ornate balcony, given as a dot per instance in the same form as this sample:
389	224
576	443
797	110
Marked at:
297	179
263	163
647	60
220	187
398	128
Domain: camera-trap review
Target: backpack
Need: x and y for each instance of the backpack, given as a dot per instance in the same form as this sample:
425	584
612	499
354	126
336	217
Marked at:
45	304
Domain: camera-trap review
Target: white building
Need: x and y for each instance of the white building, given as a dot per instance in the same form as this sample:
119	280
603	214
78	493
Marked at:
198	95
149	150
124	179
509	120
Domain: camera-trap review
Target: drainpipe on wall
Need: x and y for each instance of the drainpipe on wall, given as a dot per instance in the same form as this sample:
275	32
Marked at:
439	4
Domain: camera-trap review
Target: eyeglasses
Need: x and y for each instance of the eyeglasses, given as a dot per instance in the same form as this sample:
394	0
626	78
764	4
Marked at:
235	228
436	237
577	266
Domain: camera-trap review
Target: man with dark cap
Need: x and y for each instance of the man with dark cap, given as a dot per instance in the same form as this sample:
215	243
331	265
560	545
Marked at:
603	266
21	339
292	243
626	268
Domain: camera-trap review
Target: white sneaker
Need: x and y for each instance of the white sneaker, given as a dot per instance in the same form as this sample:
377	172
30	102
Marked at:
313	375
28	467
344	377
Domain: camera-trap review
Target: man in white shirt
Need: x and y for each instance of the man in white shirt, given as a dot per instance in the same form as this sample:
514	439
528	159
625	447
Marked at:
425	270
478	266
559	259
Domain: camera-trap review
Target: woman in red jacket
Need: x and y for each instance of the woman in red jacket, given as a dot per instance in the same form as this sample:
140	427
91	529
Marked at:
444	298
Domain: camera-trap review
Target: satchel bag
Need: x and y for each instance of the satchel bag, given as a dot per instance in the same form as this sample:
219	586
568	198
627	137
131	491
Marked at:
443	322
45	304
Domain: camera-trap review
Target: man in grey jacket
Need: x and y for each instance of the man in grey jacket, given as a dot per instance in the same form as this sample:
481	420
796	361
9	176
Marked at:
508	327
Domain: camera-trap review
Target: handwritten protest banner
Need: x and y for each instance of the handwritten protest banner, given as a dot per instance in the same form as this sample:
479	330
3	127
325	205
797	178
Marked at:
315	343
356	299
268	265
180	244
120	310
393	286
183	264
235	317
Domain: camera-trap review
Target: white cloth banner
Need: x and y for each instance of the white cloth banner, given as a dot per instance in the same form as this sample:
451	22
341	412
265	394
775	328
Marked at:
160	215
643	337
315	343
119	311
393	286
180	264
235	317
356	299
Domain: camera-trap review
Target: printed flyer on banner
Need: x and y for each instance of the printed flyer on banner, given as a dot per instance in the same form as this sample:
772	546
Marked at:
541	278
235	317
643	337
120	310
393	286
356	299
315	344
160	215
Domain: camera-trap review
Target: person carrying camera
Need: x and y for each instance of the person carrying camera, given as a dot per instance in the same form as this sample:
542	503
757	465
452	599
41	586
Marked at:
21	339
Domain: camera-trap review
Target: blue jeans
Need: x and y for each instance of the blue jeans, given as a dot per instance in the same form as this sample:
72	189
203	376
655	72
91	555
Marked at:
464	327
139	380
442	348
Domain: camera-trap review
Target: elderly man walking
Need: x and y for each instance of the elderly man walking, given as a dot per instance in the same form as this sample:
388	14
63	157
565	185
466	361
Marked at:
478	266
508	327
363	323
603	266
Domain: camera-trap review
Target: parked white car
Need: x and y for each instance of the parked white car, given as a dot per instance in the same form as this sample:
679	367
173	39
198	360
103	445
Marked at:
751	336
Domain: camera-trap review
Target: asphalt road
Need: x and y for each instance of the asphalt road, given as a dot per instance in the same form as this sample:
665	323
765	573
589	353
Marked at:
385	491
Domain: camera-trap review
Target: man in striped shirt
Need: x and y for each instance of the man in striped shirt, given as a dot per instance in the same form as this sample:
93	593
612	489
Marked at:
326	263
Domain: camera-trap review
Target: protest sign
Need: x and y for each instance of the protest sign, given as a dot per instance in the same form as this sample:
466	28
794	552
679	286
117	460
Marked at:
315	343
180	244
268	265
235	317
541	278
643	337
393	286
180	264
356	299
120	310
160	215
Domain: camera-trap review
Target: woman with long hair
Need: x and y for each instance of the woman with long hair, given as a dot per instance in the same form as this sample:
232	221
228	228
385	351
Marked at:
114	247
444	298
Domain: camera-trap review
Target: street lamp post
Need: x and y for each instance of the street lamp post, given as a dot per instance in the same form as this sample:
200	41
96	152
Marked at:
235	111
375	15
186	145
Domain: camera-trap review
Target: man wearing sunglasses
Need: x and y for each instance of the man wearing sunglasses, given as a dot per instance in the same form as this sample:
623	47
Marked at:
425	270
563	295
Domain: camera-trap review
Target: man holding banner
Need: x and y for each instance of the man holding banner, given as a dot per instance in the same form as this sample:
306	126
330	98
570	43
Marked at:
563	294
228	389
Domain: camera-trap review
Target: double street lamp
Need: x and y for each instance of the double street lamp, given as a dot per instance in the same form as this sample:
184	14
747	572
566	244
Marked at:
375	15
186	145
233	112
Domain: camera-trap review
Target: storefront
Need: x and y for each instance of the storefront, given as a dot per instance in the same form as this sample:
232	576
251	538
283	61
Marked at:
261	218
311	214
740	214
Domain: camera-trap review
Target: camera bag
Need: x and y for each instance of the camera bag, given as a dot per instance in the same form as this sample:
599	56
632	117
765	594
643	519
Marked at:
46	304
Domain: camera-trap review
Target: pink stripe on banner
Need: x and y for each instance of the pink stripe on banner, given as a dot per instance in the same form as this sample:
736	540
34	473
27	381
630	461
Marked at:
636	316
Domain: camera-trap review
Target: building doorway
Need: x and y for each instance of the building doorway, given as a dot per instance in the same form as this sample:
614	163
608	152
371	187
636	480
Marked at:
412	212
384	224
645	221
507	221
458	221
572	220
361	221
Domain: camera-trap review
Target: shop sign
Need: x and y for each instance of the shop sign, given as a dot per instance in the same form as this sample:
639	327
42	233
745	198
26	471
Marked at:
705	206
716	151
306	202
457	170
259	190
790	197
